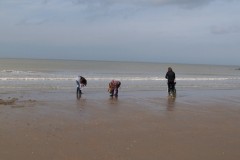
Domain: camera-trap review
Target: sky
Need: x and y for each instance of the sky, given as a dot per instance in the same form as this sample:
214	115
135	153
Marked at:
166	31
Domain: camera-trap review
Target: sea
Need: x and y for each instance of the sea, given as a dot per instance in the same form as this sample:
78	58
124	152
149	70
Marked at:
58	75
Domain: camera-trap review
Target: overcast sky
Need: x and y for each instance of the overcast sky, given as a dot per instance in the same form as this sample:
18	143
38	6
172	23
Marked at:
175	31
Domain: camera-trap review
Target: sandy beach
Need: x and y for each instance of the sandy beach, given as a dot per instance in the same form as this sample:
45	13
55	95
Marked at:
137	126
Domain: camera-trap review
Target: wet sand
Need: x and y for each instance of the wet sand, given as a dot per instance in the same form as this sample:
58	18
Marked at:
141	125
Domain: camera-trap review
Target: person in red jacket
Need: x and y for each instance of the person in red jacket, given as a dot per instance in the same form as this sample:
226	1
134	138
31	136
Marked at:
113	87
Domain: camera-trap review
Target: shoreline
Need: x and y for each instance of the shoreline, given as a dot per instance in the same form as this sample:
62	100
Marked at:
139	125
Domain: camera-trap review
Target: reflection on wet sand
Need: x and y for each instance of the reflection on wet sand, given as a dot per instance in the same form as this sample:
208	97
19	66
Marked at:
81	103
113	100
171	103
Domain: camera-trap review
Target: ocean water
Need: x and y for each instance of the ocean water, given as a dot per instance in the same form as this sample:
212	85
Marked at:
47	75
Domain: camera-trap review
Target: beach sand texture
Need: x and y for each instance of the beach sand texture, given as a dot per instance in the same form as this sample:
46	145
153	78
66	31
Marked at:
196	125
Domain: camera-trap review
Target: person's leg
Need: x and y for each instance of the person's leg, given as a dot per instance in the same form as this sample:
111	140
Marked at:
111	92
116	91
119	84
174	83
169	87
78	84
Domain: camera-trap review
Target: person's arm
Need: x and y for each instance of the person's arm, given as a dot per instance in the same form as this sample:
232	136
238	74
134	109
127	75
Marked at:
166	76
109	87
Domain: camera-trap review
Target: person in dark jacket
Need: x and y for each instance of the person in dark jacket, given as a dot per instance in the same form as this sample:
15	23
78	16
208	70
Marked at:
170	76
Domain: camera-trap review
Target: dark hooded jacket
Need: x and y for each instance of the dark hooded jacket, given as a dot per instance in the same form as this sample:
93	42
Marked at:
170	75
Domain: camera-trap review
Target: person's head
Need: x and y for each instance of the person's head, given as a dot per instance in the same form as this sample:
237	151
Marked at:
169	69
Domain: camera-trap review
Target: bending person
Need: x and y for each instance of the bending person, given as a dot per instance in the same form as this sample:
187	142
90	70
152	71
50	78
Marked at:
81	82
113	87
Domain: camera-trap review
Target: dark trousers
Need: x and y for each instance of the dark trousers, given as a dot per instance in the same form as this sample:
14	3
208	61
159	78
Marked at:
78	84
115	89
171	85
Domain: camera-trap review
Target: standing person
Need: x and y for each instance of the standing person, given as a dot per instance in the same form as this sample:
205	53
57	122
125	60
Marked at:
170	76
81	82
113	87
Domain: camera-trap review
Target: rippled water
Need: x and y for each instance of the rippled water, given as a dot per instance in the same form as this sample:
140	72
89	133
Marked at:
19	74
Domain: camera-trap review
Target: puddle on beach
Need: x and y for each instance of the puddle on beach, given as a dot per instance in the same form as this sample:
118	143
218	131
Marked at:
16	103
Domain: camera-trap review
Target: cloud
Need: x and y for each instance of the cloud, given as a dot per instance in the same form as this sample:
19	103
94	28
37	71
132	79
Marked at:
155	3
33	21
94	9
220	30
